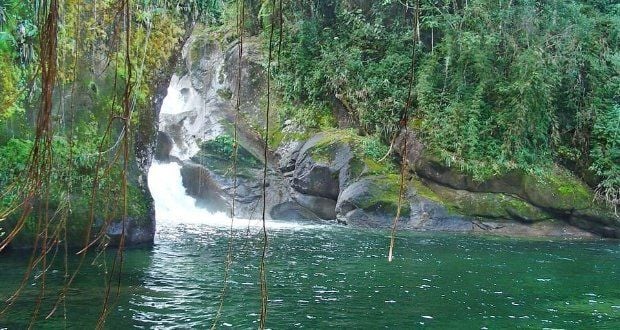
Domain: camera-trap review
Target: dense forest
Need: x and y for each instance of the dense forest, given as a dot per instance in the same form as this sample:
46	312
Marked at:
490	86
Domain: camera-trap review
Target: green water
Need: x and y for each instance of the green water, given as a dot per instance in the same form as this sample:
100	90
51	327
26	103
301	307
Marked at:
334	277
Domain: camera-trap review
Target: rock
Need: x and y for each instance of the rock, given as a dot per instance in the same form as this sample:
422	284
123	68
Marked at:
163	147
319	164
557	190
489	205
377	196
598	219
253	84
361	219
315	179
526	197
324	208
429	214
292	211
199	184
287	155
136	232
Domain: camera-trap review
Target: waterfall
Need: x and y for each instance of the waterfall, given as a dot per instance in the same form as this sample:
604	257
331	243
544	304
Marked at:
172	204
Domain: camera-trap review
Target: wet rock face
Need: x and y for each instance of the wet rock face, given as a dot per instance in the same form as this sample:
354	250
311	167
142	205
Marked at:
324	208
316	180
163	147
199	183
293	211
253	79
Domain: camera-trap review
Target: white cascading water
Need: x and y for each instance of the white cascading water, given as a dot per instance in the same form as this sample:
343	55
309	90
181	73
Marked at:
172	204
174	207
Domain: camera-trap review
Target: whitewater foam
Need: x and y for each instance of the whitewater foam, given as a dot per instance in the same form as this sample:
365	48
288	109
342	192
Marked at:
174	207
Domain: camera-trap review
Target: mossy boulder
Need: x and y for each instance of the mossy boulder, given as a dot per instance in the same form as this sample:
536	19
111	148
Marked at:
557	189
334	164
380	192
550	192
372	199
553	188
526	196
319	165
345	154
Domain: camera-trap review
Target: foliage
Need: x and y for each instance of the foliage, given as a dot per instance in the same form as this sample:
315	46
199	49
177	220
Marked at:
498	85
361	58
222	149
89	99
374	148
606	154
222	145
311	116
15	155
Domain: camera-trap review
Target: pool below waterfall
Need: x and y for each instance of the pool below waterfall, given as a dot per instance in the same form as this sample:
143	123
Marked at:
336	277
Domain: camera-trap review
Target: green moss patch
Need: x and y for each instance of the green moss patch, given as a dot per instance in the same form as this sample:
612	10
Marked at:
368	152
557	188
378	193
218	155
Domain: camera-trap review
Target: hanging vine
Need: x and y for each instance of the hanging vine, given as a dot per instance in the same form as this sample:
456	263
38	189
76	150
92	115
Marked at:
404	165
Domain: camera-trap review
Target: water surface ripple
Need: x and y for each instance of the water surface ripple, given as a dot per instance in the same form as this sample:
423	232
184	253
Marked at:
325	277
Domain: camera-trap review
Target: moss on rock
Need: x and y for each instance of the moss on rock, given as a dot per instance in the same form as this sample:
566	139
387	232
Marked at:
557	189
378	194
363	163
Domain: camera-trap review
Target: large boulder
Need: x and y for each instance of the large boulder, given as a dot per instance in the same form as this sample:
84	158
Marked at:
291	210
330	163
199	184
319	165
137	232
373	200
324	208
489	205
